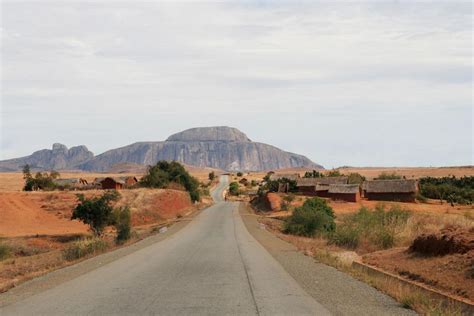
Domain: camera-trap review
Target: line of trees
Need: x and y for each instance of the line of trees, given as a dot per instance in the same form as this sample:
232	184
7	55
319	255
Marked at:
41	180
451	189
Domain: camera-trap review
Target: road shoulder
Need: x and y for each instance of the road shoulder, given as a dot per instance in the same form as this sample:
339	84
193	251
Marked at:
338	292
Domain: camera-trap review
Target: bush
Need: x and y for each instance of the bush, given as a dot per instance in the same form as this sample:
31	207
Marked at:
84	247
41	181
239	174
5	252
377	228
212	176
388	176
334	173
451	189
234	188
355	178
164	173
97	211
315	217
313	174
346	236
123	224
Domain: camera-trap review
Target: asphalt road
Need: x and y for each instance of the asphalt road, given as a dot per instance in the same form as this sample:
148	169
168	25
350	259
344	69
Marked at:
212	266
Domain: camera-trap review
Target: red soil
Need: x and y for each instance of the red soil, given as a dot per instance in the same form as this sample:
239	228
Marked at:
22	216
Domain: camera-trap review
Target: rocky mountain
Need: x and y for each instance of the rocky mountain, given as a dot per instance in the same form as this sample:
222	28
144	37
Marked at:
221	147
57	158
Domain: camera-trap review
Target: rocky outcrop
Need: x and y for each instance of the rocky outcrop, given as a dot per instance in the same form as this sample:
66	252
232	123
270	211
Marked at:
222	147
57	158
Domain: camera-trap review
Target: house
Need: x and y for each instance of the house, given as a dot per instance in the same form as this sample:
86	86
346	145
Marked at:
344	192
391	190
115	183
289	176
318	186
110	183
71	183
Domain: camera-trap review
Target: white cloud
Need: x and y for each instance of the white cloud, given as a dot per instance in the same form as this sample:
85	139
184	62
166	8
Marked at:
73	72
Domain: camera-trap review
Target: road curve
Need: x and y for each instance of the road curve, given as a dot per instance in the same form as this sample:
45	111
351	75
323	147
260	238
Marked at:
212	266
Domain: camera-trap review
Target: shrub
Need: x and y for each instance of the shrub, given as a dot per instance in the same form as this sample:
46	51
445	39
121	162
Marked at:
313	174
420	198
388	176
253	183
313	218
355	178
212	176
239	174
123	223
346	236
5	251
164	173
41	181
234	188
334	173
96	212
377	228
84	247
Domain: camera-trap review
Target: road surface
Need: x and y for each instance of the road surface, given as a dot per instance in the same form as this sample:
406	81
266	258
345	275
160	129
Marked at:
211	266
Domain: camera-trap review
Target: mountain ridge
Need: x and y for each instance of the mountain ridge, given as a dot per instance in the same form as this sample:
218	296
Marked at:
217	147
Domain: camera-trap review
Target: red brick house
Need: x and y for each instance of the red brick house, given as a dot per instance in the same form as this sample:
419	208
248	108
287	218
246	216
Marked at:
391	190
110	183
344	192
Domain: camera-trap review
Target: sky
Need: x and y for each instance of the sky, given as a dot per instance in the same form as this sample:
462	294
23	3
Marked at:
379	83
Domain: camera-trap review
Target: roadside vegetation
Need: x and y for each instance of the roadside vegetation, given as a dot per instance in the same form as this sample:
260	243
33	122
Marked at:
41	180
164	174
315	217
375	229
85	247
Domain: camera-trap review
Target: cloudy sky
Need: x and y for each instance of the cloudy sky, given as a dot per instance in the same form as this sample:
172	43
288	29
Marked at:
380	83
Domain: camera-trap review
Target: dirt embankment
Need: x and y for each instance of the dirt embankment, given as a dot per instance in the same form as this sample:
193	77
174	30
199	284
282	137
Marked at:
49	213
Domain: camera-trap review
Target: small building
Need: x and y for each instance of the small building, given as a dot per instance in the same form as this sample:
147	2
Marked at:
391	190
318	186
344	192
110	183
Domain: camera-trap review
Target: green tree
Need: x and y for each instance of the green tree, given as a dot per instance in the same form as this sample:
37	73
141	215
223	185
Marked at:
239	174
164	172
234	188
212	176
97	212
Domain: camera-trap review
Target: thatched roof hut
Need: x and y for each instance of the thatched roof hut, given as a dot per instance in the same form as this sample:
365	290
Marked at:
391	190
343	189
391	186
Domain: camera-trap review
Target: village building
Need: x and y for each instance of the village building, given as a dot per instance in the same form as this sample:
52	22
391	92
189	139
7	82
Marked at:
391	190
318	186
344	192
116	183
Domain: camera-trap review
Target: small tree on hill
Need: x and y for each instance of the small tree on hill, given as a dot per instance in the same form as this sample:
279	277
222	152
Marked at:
212	176
355	178
97	212
334	173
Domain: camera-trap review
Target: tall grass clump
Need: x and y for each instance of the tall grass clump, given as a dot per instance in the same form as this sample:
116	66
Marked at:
123	224
5	251
84	247
314	217
375	228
